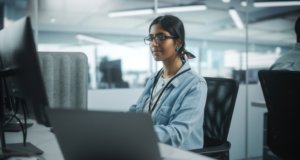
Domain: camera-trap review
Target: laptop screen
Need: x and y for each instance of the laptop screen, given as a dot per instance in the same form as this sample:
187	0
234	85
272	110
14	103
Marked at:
104	135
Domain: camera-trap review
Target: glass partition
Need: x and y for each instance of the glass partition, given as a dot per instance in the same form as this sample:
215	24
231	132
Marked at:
215	33
270	35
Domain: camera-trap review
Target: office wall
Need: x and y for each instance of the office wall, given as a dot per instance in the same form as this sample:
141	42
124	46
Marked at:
255	121
122	99
246	132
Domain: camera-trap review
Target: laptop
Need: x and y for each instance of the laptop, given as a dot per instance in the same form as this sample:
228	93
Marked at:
97	135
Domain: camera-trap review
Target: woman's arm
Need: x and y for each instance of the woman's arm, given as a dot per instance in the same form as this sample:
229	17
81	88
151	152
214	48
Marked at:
187	119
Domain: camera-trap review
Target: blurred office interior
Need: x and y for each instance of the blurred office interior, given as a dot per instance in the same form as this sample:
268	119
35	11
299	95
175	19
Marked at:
230	38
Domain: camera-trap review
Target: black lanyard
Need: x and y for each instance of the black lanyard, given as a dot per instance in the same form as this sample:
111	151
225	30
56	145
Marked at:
154	84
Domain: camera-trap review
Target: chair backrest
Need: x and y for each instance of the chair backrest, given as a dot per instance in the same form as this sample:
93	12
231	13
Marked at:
66	78
281	90
220	102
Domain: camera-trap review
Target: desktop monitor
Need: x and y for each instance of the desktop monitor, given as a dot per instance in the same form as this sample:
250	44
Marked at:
111	71
112	74
19	57
20	69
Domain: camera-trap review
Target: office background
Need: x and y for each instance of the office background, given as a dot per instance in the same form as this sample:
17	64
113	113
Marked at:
120	62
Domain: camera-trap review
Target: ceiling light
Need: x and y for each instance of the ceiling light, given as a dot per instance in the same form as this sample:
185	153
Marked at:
276	3
244	3
91	39
131	13
226	1
53	20
236	18
182	9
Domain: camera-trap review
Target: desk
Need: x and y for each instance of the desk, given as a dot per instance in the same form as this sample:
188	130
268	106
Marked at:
260	103
41	137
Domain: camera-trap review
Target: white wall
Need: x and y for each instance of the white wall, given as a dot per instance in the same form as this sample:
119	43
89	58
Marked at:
255	122
122	99
238	128
237	133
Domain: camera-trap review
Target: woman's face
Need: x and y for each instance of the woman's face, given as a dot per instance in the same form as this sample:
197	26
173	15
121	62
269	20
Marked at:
162	50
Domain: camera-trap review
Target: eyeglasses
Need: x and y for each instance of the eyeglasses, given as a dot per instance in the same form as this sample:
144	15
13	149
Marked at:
160	37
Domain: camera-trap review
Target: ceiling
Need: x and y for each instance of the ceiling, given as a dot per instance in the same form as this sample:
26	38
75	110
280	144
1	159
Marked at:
266	25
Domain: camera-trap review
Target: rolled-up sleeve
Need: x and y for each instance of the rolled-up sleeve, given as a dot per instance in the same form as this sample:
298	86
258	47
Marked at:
132	108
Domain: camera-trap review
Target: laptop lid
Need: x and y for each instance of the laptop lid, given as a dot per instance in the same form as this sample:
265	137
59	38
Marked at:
104	135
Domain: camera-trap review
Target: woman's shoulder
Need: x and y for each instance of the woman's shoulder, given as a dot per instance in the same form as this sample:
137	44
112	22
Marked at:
191	74
196	76
191	79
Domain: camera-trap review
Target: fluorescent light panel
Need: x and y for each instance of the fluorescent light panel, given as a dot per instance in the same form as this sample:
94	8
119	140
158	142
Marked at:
53	20
236	18
182	9
91	39
226	1
276	4
244	3
131	13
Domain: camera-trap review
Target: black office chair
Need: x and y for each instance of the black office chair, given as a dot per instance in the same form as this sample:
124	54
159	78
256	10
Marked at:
220	102
281	92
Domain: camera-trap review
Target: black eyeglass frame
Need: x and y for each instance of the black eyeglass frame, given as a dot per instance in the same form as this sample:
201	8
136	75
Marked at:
158	38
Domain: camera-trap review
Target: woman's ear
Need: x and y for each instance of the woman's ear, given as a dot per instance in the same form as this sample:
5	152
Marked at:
178	43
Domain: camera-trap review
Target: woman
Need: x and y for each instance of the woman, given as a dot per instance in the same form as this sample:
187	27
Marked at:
174	96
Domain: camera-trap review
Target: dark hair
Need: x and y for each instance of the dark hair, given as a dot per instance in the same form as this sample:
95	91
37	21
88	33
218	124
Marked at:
297	29
174	26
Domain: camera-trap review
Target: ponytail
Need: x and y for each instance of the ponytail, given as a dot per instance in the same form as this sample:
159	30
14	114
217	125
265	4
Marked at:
184	54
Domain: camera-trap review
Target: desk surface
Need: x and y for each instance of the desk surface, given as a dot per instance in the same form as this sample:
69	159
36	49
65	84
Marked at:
41	137
259	103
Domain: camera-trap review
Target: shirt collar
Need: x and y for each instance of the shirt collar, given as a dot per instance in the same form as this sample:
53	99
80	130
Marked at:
178	79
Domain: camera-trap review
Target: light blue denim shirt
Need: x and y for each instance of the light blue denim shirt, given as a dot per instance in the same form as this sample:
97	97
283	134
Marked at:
178	120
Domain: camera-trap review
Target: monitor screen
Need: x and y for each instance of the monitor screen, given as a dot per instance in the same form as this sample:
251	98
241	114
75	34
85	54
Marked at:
112	74
19	56
111	71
